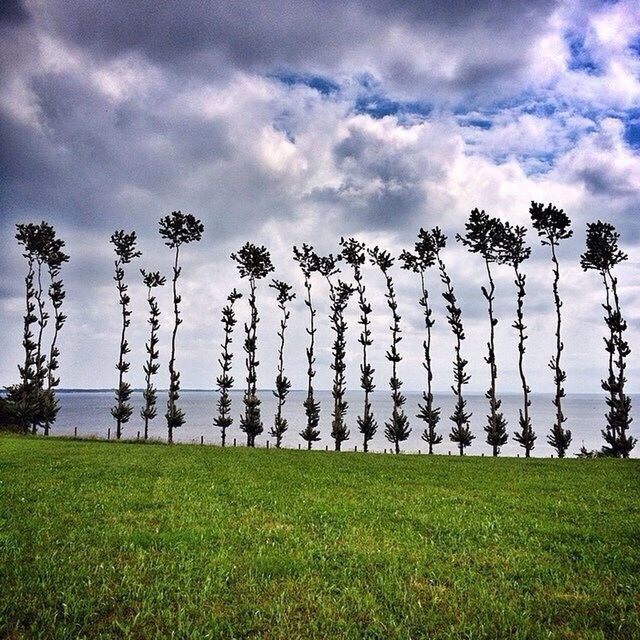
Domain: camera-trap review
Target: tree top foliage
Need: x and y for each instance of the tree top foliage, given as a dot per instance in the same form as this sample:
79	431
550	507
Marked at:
40	243
425	251
283	290
179	228
514	249
381	259
353	251
253	261
602	251
483	235
233	296
328	265
152	279
307	258
551	223
125	245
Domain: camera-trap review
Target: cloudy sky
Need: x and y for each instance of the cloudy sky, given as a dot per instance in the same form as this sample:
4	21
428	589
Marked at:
297	120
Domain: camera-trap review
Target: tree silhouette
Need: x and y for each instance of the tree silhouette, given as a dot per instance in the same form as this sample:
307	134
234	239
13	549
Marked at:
55	259
397	428
151	280
424	256
253	263
483	235
339	294
23	398
553	225
283	384
32	400
353	253
177	229
460	432
602	255
513	252
225	380
309	261
125	248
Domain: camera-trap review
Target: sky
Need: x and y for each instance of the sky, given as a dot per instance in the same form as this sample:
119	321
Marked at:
298	121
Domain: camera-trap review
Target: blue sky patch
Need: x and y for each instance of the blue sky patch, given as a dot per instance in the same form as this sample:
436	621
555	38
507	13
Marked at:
321	84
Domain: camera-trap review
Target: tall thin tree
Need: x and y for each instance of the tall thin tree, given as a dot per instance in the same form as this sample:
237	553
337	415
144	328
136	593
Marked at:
253	263
339	294
177	229
483	235
603	254
23	397
308	262
419	261
225	380
513	252
397	428
553	225
125	248
283	384
152	280
55	259
354	254
460	432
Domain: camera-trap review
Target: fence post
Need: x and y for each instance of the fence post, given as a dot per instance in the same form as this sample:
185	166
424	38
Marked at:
75	432
234	442
138	438
267	444
201	440
449	452
355	448
418	451
326	447
109	433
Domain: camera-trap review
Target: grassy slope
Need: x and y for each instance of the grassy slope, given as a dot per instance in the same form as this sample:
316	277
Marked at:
123	540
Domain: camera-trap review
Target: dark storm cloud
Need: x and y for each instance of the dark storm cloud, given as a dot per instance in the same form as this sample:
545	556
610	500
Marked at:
492	40
13	12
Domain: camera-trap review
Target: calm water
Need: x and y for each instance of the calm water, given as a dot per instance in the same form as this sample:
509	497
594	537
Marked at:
89	412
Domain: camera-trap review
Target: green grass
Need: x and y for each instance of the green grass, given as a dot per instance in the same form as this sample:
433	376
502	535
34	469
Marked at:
119	540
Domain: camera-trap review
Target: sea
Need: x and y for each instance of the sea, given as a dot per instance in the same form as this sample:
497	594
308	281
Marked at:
87	413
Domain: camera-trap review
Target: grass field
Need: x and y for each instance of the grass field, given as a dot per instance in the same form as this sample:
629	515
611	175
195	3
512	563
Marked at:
122	540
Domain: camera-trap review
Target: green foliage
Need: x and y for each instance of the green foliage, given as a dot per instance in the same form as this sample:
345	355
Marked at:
513	252
254	263
153	542
283	384
177	229
125	248
354	254
553	225
225	380
309	262
151	280
425	256
602	254
397	428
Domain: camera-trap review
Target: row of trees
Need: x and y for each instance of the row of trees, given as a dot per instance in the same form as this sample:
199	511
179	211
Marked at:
494	242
